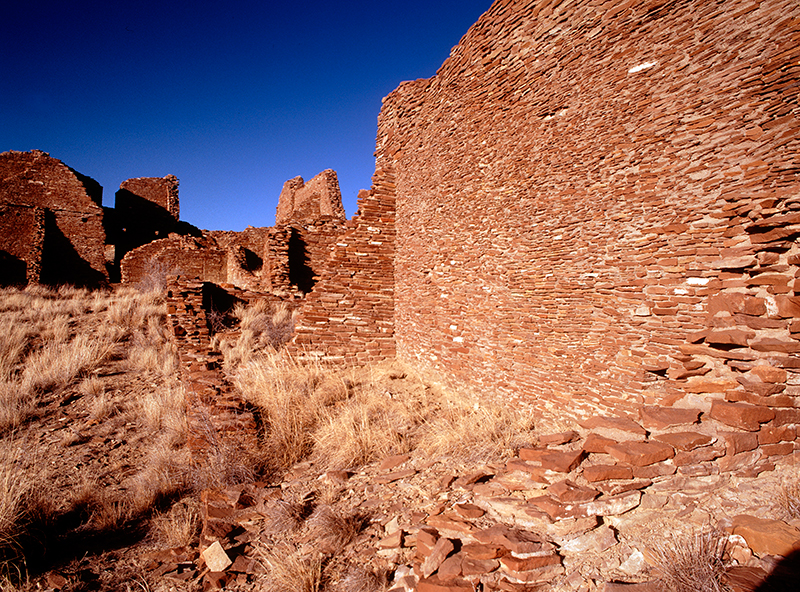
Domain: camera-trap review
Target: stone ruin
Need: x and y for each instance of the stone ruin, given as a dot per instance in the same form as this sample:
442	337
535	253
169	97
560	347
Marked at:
593	210
51	222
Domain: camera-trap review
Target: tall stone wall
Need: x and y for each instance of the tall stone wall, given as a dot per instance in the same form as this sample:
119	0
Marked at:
598	206
349	314
145	209
53	221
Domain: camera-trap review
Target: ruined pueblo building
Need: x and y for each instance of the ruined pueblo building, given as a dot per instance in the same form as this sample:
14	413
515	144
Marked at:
51	222
594	208
591	207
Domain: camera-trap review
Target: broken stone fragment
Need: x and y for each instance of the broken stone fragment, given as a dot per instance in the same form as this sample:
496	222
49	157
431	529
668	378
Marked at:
216	558
439	553
554	460
660	418
685	441
741	415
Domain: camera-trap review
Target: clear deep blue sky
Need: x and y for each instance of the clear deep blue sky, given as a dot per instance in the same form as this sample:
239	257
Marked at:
233	98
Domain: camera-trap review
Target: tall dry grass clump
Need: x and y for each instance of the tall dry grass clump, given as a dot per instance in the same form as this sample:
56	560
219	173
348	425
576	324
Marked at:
263	326
347	417
690	562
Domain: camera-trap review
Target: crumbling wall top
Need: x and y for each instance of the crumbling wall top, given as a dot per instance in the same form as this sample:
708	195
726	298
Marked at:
307	202
38	180
162	191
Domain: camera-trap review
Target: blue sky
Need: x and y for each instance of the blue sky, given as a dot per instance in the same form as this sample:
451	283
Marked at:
233	98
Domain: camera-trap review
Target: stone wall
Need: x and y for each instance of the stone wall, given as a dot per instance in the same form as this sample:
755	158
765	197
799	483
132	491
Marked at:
597	210
145	209
187	256
306	202
21	241
349	315
53	221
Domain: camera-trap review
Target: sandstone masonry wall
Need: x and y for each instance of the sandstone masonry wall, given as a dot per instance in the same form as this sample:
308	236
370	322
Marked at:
52	219
349	313
598	206
305	202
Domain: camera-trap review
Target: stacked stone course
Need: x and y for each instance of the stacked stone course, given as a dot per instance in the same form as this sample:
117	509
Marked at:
349	316
596	211
51	222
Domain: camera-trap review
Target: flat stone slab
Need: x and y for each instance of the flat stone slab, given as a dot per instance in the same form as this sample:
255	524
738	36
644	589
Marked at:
685	441
659	418
741	415
554	460
766	537
641	454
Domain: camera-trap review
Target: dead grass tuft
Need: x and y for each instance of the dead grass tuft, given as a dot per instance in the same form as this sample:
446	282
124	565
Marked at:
690	562
177	527
332	530
288	569
263	326
343	418
788	500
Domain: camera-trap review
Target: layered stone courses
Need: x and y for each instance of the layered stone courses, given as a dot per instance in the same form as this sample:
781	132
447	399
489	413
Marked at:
349	316
51	222
597	211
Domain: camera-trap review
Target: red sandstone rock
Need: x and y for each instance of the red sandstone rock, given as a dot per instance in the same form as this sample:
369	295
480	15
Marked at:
596	473
559	438
567	491
736	442
468	511
440	551
641	454
554	460
766	537
741	415
597	443
660	418
435	584
685	440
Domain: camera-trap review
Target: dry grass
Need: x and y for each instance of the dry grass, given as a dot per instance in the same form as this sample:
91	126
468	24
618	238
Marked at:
288	569
177	527
263	325
333	531
690	562
62	370
788	500
343	418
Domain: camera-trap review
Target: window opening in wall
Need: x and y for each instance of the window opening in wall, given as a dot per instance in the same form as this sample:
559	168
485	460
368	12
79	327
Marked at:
300	273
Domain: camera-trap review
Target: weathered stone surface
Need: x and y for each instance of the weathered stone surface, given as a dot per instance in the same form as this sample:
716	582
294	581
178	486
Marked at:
766	537
641	454
567	491
435	584
216	558
741	415
559	438
659	418
597	443
685	440
594	473
554	460
597	540
439	553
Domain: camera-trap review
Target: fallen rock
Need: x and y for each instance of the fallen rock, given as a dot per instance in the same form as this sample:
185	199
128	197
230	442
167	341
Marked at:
216	558
659	418
439	553
766	537
554	460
